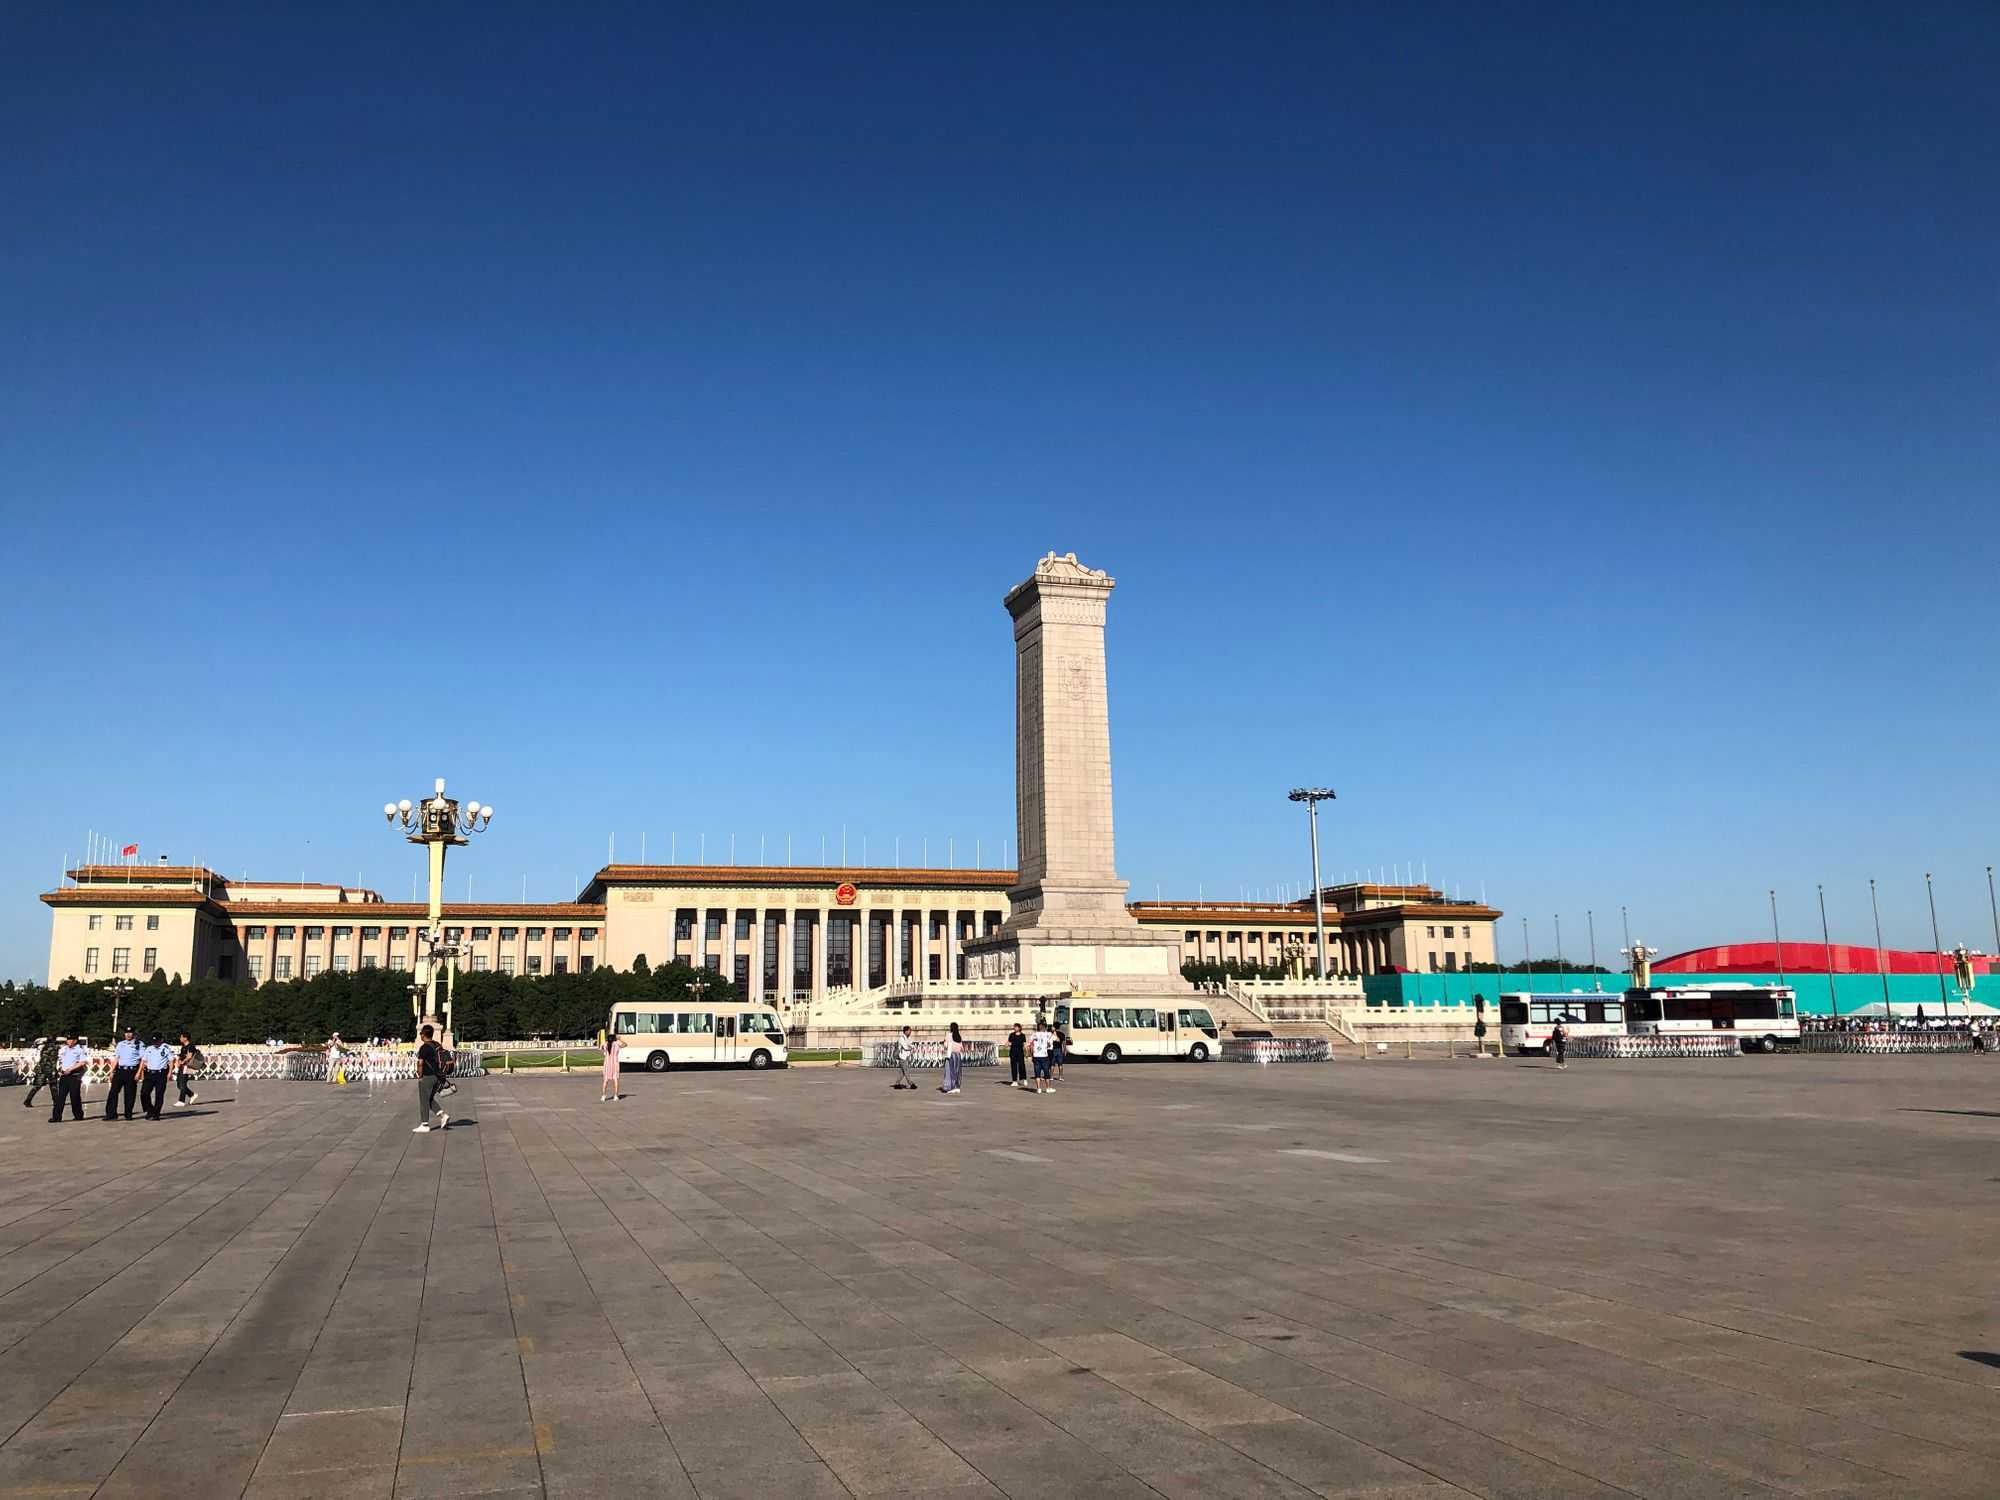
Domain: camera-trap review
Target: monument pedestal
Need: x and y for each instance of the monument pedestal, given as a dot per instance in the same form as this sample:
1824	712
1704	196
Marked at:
1067	922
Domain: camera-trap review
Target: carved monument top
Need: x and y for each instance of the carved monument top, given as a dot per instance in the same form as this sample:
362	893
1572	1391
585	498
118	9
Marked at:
1066	569
1060	569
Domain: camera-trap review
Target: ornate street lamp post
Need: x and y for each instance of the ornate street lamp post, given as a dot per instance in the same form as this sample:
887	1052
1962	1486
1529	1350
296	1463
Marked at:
437	823
1312	796
120	989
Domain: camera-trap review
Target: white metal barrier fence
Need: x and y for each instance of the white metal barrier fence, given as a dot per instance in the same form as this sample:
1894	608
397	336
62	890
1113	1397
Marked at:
357	1064
1276	1049
1695	1044
929	1054
1895	1041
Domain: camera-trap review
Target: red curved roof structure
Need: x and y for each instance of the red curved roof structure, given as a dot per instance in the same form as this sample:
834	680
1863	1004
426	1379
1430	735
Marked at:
1809	958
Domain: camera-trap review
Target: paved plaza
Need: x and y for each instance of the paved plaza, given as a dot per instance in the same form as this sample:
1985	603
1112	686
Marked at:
1765	1276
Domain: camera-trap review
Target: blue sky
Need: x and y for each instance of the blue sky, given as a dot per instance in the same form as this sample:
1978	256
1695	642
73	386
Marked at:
1569	432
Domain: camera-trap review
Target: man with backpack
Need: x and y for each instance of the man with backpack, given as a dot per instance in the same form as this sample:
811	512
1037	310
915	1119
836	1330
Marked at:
189	1060
430	1076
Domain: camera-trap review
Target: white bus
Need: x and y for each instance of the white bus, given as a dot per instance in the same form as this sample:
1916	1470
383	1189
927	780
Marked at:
1111	1033
1526	1019
1763	1016
686	1035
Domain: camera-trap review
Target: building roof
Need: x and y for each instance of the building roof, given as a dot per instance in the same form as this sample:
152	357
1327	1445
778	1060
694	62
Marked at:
137	873
371	912
1272	913
138	895
374	912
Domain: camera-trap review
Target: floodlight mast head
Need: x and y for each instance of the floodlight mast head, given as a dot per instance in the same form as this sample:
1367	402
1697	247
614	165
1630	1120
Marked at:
1312	794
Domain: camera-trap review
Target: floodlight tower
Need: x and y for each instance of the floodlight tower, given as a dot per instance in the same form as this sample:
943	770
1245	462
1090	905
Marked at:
437	823
1312	796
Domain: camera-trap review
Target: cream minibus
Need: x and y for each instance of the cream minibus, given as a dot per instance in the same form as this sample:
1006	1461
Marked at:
1111	1033
684	1035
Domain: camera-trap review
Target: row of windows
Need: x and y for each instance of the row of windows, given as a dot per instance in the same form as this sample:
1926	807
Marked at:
281	966
121	960
124	923
968	925
371	934
1449	932
1248	937
1451	962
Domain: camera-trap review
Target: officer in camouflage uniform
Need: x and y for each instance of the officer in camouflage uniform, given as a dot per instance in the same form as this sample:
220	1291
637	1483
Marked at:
46	1068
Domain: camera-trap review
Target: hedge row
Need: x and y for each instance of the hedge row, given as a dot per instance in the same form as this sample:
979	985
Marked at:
488	1006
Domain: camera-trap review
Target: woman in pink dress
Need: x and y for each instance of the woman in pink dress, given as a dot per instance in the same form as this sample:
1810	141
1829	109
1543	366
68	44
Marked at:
613	1046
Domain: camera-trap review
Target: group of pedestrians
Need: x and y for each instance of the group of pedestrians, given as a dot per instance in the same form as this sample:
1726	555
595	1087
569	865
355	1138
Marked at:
1044	1047
139	1075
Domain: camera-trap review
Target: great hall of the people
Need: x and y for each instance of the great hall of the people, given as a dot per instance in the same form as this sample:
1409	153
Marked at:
779	932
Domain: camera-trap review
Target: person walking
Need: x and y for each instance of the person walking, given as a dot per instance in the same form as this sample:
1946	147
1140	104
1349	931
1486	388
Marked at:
188	1061
1057	1053
613	1048
905	1053
430	1074
1017	1057
954	1059
155	1062
48	1067
1040	1045
124	1075
1559	1044
71	1064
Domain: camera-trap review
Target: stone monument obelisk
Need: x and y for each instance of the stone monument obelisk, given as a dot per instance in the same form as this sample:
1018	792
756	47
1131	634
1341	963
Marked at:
1068	924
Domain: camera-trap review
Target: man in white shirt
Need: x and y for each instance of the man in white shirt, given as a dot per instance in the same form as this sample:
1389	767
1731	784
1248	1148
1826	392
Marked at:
1040	1045
71	1063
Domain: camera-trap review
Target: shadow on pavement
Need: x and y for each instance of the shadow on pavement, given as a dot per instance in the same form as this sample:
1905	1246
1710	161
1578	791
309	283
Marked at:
1982	1114
1980	1357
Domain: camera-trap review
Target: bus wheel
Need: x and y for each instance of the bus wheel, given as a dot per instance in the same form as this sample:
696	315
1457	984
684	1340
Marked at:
657	1062
1198	1052
1111	1055
760	1059
1770	1044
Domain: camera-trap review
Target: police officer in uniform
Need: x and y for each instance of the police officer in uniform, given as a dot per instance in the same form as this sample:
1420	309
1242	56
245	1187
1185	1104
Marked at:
155	1062
71	1063
124	1075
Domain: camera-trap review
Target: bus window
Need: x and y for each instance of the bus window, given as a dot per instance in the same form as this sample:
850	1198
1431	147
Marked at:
1614	1012
1144	1020
760	1020
689	1023
1513	1012
632	1022
1642	1007
1062	1015
1786	1009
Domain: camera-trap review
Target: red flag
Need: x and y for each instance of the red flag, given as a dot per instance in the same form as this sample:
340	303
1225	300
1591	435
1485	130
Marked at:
129	849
